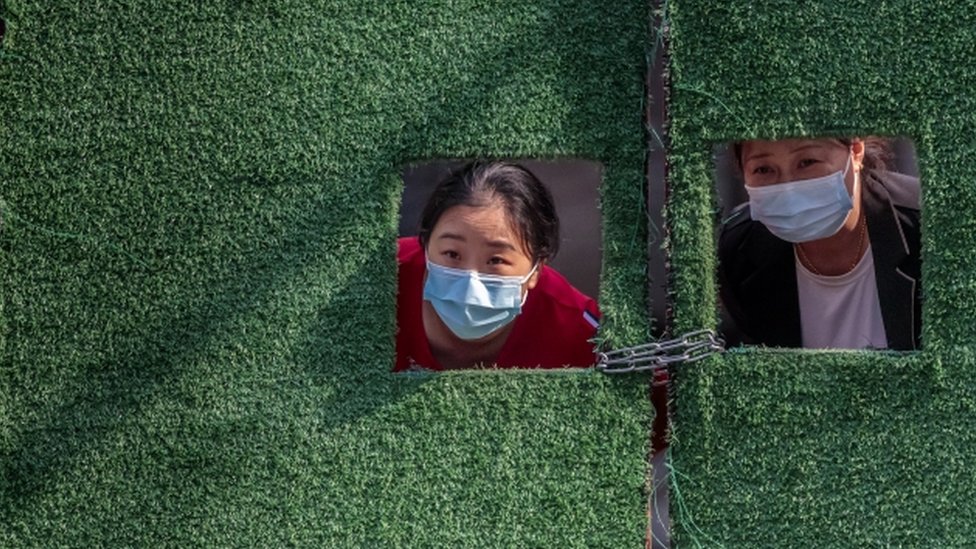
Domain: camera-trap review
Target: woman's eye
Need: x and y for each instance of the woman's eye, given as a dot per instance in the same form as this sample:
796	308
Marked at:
807	162
497	261
452	254
762	170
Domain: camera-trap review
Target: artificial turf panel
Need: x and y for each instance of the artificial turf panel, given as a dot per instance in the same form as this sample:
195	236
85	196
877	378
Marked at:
815	449
197	264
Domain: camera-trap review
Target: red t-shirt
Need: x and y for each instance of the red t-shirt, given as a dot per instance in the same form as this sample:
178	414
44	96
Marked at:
551	331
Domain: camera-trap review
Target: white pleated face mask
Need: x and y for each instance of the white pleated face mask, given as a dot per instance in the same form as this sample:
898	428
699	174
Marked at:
801	211
472	304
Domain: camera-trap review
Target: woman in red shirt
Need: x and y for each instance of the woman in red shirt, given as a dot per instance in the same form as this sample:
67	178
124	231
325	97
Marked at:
475	289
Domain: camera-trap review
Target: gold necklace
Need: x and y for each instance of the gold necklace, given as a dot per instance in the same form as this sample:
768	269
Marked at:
862	234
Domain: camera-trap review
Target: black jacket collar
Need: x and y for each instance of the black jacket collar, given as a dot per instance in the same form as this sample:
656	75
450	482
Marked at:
759	269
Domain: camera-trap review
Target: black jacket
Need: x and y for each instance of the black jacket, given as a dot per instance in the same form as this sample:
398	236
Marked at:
757	271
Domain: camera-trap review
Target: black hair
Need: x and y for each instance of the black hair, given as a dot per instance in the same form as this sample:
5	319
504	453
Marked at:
526	201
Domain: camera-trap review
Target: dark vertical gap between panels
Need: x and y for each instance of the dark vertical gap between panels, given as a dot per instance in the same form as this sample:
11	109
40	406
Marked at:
3	30
655	120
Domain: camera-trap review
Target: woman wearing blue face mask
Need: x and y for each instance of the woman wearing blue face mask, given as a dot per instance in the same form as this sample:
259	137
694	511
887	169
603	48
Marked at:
475	289
826	253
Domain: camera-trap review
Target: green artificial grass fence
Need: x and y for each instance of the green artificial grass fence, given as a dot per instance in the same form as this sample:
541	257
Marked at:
199	205
815	449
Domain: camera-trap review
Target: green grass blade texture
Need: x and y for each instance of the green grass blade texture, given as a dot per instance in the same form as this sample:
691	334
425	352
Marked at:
816	449
199	203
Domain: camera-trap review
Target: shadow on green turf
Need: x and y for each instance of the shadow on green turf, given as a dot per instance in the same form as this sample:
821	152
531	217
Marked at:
449	122
148	372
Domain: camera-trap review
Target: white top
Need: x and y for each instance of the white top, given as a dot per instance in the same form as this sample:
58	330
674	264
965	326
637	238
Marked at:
841	312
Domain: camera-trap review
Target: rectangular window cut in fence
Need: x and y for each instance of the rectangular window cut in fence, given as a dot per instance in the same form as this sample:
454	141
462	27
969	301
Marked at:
819	243
498	265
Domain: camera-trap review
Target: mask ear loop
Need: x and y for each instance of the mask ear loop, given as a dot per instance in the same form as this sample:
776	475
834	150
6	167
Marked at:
857	179
857	174
525	279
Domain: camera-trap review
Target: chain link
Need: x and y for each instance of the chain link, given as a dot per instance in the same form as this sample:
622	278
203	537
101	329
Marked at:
658	356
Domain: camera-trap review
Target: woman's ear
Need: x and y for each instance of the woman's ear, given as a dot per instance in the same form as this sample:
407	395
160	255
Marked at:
857	153
534	279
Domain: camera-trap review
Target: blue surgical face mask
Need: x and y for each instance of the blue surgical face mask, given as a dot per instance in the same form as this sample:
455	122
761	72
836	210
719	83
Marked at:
472	304
801	211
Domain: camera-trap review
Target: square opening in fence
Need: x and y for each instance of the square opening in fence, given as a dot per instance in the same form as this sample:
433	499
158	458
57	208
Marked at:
819	245
498	264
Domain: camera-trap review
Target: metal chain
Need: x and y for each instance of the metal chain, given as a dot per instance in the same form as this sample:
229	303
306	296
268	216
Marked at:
657	356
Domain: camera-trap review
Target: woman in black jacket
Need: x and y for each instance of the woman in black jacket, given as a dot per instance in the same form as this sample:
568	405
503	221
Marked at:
826	253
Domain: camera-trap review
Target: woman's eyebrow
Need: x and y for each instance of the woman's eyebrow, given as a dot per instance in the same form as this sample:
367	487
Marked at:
807	146
452	236
501	244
